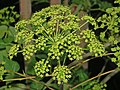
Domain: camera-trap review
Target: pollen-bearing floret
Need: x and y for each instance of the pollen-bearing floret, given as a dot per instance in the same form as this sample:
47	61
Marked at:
61	74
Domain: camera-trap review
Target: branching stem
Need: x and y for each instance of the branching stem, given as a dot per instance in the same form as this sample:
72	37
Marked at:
99	75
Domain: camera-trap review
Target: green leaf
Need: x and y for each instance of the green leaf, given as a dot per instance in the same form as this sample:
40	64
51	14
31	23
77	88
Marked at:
12	7
104	5
2	45
12	19
116	29
115	41
12	30
113	49
3	53
11	65
3	29
0	16
3	87
116	54
41	56
9	39
113	59
111	38
17	15
9	75
36	86
19	86
55	86
30	69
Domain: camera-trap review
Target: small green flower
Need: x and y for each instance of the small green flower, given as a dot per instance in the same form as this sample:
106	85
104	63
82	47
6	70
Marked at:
61	74
42	68
2	70
13	51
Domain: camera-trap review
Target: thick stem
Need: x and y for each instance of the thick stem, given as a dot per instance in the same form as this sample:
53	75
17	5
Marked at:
108	77
99	75
66	2
25	9
54	2
61	86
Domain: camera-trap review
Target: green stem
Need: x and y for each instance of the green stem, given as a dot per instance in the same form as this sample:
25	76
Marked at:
76	30
27	77
83	24
59	62
57	28
103	68
99	75
64	58
108	77
80	62
97	9
16	79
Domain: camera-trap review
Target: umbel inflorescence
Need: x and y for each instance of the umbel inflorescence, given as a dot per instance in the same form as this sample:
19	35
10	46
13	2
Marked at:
53	31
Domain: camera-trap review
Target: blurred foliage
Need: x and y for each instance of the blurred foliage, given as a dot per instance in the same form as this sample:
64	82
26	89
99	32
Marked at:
90	5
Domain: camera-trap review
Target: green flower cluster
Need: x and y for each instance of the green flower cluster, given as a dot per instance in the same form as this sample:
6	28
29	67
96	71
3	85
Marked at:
41	42
110	20
53	31
61	74
58	18
24	37
116	59
2	70
73	49
42	68
74	52
8	15
97	85
94	44
13	50
91	20
28	51
21	25
68	44
117	1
